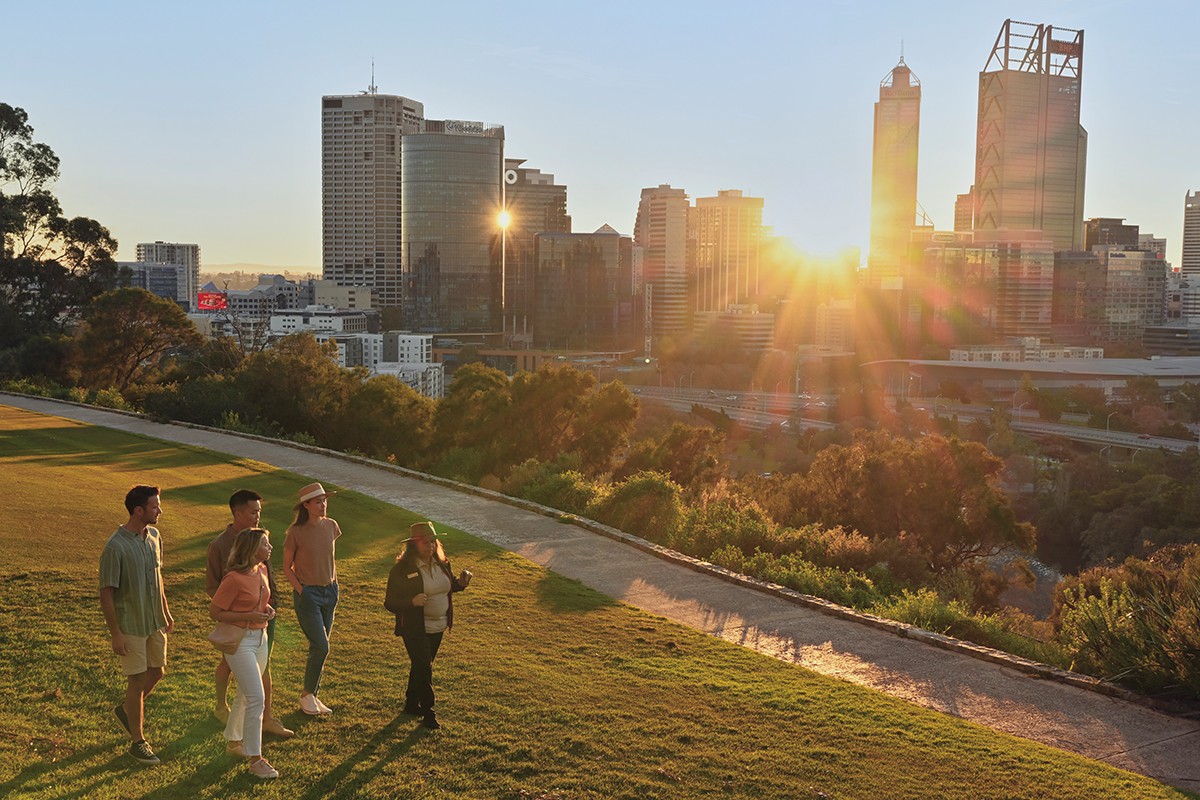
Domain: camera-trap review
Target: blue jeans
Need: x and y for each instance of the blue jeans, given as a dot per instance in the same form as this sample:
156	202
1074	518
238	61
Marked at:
314	612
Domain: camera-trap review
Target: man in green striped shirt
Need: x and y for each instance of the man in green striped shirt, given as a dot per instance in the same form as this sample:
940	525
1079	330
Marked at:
135	610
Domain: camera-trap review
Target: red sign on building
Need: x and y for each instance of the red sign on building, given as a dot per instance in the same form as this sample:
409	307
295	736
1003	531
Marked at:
211	301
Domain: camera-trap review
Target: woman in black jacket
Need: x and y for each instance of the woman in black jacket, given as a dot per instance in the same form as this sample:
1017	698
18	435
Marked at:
419	594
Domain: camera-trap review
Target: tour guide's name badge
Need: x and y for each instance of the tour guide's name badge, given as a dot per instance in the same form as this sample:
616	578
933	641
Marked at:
412	574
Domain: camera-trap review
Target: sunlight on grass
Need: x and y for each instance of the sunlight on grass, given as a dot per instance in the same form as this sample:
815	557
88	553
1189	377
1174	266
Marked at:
547	689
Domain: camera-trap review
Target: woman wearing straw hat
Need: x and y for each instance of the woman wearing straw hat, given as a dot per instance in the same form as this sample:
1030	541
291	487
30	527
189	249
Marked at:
308	564
419	594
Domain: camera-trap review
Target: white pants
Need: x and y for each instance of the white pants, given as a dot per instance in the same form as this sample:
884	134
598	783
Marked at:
245	718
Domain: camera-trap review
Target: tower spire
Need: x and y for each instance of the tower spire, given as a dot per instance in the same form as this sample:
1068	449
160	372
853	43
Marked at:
372	88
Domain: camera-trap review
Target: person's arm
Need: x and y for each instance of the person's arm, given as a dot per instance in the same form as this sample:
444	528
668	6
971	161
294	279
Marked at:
166	609
289	561
214	570
110	579
110	619
393	599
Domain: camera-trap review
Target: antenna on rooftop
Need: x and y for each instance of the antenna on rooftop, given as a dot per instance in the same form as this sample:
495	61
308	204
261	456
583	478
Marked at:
372	88
902	51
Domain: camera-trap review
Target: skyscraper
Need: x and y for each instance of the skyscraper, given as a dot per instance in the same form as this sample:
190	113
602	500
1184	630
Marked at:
361	141
584	290
1191	234
964	211
661	232
1031	151
726	232
185	255
894	172
536	204
450	203
1109	231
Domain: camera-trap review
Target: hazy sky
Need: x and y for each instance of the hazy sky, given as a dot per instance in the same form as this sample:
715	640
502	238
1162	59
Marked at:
200	122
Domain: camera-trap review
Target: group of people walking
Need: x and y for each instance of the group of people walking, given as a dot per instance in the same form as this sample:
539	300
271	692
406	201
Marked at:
240	582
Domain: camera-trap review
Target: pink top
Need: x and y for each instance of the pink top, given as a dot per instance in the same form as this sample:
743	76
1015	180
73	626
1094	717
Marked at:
243	592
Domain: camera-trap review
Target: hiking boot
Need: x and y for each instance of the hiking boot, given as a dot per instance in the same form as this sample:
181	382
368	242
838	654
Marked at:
430	721
122	717
259	768
308	704
142	752
276	728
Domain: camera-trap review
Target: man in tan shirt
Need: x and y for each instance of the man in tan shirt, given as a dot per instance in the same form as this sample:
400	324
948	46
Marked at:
247	511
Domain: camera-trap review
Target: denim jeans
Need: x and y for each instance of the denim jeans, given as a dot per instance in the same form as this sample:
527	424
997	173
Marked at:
314	612
245	718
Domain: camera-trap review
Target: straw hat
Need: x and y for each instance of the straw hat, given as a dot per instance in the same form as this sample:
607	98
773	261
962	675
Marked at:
422	530
313	491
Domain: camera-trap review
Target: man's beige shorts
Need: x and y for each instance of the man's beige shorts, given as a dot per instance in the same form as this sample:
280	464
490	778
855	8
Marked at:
144	652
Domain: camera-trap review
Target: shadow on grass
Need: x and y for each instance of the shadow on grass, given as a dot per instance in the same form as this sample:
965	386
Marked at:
21	782
567	595
380	750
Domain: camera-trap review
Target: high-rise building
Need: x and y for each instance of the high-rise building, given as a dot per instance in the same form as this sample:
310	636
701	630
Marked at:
583	291
1109	231
185	255
726	234
361	142
1152	244
894	173
535	204
1110	294
661	231
964	211
451	174
1031	151
1190	264
169	281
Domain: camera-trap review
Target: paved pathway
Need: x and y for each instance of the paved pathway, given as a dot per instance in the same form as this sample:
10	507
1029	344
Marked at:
1118	732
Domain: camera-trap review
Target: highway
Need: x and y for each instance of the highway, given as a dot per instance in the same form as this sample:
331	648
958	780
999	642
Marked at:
760	410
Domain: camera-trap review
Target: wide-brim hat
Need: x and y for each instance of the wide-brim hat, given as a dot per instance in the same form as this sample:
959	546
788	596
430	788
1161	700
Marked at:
422	530
313	491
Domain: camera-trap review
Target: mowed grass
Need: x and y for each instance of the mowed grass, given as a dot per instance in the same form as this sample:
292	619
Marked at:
547	689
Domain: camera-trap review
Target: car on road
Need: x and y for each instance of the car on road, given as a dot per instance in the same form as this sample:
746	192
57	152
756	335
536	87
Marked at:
731	397
1143	436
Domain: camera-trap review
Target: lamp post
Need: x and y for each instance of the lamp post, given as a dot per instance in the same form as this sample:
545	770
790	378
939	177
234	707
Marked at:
1017	413
1108	423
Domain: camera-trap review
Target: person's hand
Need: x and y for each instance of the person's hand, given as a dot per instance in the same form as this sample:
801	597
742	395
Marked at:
118	644
419	600
170	624
271	613
464	577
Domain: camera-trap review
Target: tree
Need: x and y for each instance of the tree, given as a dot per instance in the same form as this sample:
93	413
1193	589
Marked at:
50	265
386	418
126	335
689	455
298	387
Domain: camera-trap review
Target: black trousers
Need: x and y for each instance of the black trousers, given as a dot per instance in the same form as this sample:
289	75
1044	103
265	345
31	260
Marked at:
422	649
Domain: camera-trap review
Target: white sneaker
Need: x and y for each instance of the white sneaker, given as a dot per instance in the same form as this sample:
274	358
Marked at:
308	704
261	769
323	708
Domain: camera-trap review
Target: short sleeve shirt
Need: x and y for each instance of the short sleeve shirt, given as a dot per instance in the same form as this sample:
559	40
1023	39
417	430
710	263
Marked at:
240	591
132	566
217	565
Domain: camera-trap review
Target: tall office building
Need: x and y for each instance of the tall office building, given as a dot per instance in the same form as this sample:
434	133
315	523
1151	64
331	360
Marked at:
361	142
726	233
170	281
451	175
1191	234
1031	151
184	255
894	173
661	231
535	204
964	211
584	290
1109	231
1152	244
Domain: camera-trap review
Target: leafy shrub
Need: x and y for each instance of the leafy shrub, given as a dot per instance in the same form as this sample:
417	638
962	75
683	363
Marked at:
648	504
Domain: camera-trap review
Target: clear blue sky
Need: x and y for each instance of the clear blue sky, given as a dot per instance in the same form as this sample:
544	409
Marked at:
199	122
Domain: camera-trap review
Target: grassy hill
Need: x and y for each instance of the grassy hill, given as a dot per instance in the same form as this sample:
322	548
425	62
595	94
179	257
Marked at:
547	689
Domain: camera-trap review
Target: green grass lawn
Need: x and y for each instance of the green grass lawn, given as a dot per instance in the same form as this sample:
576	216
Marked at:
547	689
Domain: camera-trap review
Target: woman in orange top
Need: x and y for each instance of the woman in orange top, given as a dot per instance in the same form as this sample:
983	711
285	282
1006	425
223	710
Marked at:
241	599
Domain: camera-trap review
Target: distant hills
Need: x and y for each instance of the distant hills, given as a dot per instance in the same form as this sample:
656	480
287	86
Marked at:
244	276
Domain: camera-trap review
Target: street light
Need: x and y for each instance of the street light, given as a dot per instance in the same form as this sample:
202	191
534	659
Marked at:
1108	423
1017	412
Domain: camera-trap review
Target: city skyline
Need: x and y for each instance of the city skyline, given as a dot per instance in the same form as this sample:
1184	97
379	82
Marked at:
801	143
